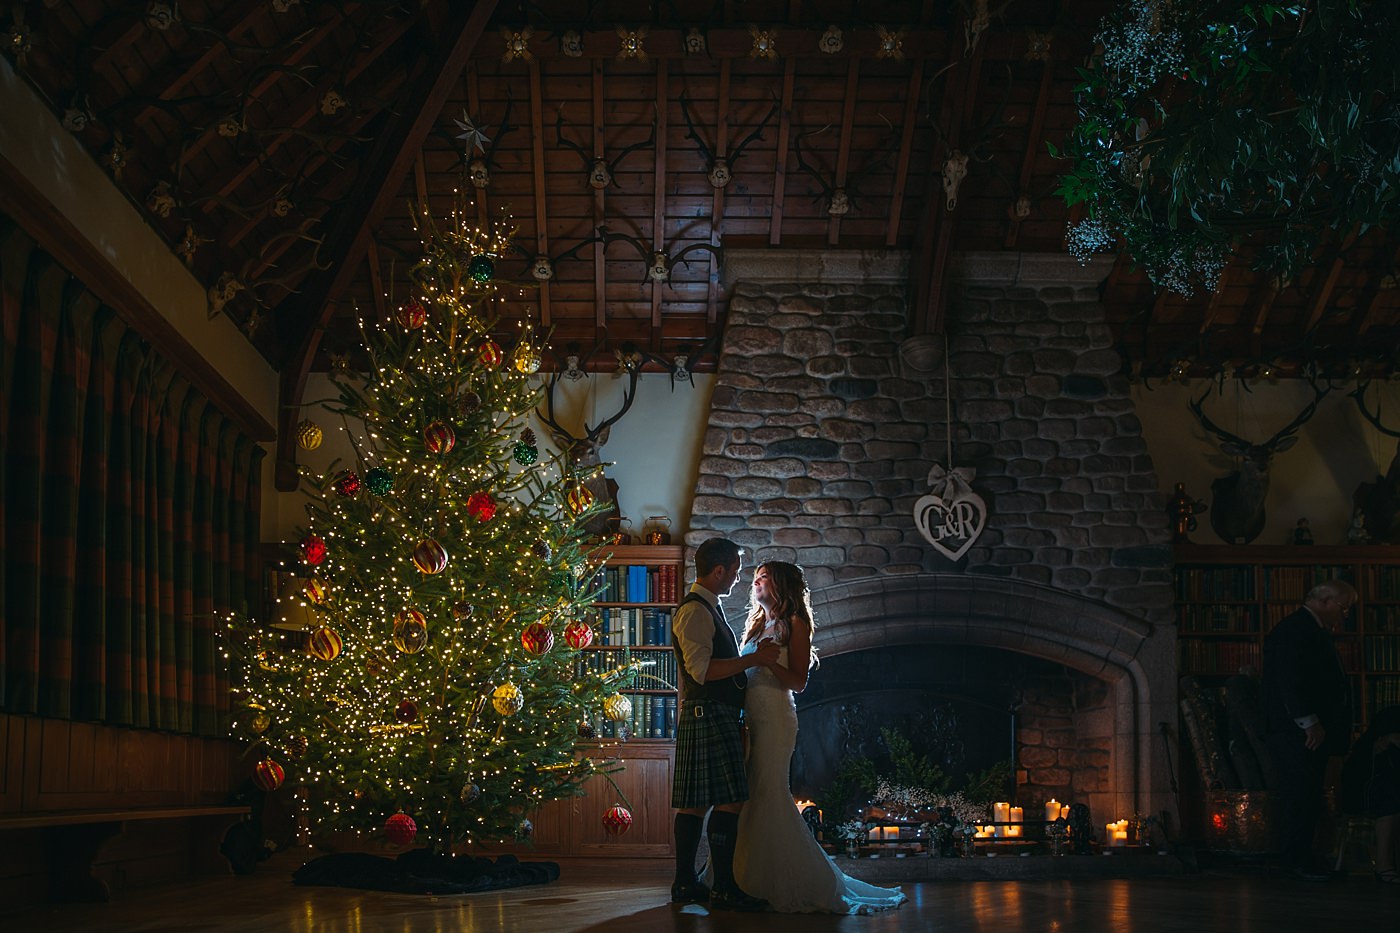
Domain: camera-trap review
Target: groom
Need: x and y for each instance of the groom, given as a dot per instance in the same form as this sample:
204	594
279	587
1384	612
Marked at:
709	745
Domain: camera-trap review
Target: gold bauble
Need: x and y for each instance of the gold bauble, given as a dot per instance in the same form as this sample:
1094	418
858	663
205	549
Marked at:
309	435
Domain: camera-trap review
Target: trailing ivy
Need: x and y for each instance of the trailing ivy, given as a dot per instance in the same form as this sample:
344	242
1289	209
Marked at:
1210	128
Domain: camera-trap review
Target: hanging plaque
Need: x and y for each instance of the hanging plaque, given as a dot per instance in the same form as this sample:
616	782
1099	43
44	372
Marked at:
951	516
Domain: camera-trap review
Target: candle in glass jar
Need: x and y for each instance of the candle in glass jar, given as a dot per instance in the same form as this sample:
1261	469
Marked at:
1052	810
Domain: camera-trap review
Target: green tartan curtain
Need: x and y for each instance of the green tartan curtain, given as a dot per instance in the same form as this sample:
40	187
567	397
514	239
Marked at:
129	514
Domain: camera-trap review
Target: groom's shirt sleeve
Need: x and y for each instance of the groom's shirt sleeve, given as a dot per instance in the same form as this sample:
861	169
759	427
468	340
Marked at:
694	630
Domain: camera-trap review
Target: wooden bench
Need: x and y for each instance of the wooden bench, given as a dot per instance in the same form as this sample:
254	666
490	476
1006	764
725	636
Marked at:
74	838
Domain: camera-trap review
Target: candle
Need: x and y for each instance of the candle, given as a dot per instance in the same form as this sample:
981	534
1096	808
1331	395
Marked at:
1052	810
1064	812
1116	834
1001	813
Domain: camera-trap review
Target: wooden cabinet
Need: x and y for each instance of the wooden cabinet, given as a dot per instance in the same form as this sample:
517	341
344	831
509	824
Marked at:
641	585
1229	598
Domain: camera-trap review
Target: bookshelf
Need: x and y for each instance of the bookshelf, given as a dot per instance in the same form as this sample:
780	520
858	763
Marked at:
640	588
1229	598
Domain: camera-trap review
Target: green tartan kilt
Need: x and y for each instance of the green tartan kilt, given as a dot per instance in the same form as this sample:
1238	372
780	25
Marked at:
709	756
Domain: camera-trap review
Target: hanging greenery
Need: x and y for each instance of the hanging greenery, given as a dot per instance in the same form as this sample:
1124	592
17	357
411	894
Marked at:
1211	129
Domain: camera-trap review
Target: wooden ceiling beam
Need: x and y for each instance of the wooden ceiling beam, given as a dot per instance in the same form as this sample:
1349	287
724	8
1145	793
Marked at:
1034	144
775	215
1322	294
541	202
480	196
376	281
906	149
717	205
1216	303
934	243
731	43
304	109
381	175
843	150
235	232
1263	302
167	83
600	276
296	54
1371	296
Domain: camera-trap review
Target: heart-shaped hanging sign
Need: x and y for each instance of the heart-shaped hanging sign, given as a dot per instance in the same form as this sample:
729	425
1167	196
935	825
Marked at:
951	516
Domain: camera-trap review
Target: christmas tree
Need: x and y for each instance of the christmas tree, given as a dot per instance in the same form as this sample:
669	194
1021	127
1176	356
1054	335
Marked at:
440	689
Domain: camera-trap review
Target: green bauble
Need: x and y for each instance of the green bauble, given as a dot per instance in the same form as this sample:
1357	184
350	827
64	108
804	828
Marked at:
379	481
481	268
525	454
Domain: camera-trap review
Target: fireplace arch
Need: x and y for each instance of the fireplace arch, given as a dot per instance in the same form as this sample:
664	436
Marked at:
972	610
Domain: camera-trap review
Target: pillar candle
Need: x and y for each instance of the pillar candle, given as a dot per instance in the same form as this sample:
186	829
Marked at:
1052	810
1001	813
1064	811
1017	815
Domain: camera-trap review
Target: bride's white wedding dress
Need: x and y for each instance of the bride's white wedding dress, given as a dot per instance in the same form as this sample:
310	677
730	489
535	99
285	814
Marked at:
777	859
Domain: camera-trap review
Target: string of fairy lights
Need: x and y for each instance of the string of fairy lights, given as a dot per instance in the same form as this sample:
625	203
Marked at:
432	693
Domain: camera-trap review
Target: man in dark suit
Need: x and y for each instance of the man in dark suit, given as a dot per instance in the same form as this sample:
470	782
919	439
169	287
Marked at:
1307	710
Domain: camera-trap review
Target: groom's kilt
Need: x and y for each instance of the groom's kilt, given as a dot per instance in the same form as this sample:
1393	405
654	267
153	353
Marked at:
709	756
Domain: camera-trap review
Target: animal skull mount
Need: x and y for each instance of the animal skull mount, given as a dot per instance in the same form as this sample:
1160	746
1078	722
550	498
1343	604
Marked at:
600	176
840	203
479	173
659	269
720	176
542	270
954	171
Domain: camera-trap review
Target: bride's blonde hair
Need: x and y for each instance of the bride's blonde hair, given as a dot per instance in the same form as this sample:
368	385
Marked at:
792	601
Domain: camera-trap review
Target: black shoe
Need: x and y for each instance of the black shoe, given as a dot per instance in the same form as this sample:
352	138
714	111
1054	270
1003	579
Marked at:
737	900
1311	874
693	892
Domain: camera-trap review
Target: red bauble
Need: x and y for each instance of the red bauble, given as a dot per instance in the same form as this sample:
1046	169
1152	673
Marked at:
347	483
406	711
439	437
578	634
579	499
430	557
617	820
537	638
412	315
313	550
490	354
400	829
268	775
481	506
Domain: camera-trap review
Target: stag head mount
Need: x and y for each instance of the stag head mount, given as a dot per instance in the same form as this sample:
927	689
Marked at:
721	167
660	264
1238	498
601	171
840	194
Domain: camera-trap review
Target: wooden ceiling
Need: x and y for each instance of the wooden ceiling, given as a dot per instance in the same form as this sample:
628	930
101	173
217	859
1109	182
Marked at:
277	145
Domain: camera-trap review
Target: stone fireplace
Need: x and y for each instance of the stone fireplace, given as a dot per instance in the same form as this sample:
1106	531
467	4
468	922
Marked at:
824	424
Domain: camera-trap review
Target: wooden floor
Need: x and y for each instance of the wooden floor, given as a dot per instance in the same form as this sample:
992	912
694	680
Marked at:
631	897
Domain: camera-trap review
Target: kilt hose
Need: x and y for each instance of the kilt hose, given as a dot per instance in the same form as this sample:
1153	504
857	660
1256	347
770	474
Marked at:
709	756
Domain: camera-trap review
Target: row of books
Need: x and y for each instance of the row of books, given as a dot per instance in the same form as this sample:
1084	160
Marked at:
643	625
656	671
1382	652
653	717
1383	583
1197	584
640	583
1218	657
1222	618
1293	583
1382	692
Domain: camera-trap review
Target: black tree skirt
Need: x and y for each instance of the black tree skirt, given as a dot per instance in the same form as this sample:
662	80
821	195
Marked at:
422	872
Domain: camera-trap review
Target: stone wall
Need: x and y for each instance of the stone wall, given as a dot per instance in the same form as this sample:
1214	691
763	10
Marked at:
826	420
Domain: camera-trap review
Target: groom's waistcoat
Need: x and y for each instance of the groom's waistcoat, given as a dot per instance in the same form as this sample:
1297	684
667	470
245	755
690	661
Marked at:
729	690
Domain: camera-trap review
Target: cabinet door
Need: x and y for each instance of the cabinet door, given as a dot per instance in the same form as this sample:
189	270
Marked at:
645	780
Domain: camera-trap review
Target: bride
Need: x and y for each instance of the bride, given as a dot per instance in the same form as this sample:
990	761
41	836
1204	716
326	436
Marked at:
777	858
